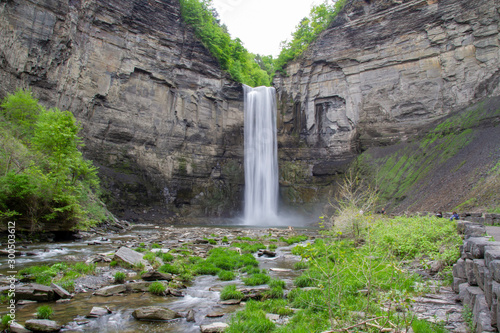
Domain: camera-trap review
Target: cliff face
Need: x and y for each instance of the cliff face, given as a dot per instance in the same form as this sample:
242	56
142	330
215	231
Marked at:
159	117
383	70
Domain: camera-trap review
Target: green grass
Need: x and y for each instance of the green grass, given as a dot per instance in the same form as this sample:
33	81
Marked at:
226	275
44	312
58	273
252	319
230	292
120	277
300	265
248	247
336	270
157	288
294	239
166	257
256	279
423	326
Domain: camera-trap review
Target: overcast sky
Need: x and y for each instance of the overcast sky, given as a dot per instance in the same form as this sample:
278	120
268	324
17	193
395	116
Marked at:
262	24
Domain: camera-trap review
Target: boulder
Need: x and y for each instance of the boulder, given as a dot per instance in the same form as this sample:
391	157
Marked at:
128	256
155	313
97	312
137	287
214	328
266	253
190	317
35	292
155	276
42	325
60	291
111	290
18	328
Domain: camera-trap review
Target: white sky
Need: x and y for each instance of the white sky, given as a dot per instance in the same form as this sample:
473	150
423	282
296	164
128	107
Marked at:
262	24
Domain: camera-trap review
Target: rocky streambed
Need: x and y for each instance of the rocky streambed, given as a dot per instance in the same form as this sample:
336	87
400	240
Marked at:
99	304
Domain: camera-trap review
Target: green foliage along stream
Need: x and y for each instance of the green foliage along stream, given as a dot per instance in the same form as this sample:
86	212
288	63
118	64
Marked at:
43	176
347	282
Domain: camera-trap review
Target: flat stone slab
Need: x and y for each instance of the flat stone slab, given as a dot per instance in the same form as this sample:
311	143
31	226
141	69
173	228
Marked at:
214	328
42	325
155	313
97	312
230	302
111	290
63	293
138	287
155	275
128	256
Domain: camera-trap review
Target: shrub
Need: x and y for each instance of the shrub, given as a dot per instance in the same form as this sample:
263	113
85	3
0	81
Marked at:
157	288
230	292
44	312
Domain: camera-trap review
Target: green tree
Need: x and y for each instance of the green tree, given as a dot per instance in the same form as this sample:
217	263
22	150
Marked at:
21	110
307	31
43	175
230	53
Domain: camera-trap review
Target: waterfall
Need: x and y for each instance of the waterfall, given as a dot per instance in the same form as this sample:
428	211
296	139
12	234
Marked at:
261	156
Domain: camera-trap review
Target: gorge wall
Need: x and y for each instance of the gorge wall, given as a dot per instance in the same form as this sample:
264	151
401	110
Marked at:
380	73
164	123
159	117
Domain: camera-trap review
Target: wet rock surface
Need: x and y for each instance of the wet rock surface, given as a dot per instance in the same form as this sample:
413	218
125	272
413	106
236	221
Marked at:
155	313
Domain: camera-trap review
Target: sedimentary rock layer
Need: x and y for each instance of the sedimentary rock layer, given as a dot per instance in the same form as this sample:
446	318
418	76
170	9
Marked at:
159	117
382	70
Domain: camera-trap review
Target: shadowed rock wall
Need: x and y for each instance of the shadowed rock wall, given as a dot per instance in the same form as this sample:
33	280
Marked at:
159	117
382	71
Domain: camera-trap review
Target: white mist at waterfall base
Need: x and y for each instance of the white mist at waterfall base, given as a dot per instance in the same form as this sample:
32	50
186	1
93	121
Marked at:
261	156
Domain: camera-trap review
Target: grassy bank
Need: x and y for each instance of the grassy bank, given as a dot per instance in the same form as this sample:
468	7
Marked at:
364	283
451	165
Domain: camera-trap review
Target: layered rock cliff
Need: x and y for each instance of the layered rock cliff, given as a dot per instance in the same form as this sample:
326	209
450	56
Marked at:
159	117
380	72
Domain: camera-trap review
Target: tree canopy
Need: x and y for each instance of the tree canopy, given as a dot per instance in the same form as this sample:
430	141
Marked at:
231	54
243	66
43	176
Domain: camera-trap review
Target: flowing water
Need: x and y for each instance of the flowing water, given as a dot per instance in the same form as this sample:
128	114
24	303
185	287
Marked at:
201	296
261	156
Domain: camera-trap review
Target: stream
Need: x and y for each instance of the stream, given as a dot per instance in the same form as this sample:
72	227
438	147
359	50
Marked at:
202	295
